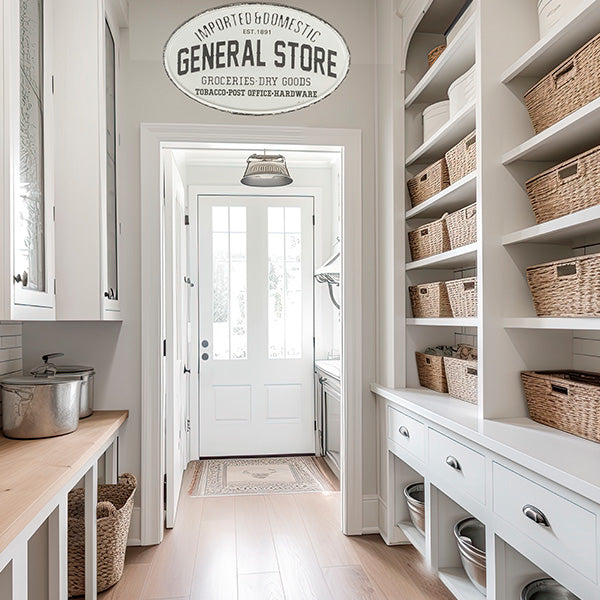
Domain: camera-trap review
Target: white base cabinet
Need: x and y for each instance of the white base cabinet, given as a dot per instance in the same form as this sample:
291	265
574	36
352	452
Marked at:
536	524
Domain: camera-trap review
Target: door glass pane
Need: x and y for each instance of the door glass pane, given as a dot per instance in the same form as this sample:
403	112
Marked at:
29	213
285	282
111	168
229	283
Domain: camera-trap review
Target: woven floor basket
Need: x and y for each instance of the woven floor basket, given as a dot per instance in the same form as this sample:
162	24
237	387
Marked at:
428	182
462	158
462	378
115	505
429	239
432	374
566	288
463	296
565	400
573	84
462	226
435	54
566	188
430	300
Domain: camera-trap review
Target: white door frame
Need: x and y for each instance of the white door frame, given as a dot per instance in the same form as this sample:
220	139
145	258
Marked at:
155	137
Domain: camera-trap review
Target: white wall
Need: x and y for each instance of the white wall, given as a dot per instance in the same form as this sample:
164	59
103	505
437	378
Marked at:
146	95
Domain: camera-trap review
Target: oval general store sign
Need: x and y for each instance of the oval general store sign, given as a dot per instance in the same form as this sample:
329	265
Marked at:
256	59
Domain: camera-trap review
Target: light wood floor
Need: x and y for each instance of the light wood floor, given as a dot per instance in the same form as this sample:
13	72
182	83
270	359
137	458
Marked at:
271	548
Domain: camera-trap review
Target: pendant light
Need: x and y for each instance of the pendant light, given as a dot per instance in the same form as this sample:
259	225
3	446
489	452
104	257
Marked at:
266	170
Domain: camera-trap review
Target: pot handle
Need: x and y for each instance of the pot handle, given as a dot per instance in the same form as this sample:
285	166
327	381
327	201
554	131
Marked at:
47	357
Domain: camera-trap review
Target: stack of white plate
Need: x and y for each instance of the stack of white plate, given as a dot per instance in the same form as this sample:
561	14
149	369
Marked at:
553	12
462	92
434	117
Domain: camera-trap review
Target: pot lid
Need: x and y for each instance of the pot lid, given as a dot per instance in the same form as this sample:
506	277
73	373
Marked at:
31	380
73	369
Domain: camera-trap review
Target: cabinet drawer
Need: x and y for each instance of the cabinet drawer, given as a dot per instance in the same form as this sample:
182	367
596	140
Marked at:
407	432
460	467
566	529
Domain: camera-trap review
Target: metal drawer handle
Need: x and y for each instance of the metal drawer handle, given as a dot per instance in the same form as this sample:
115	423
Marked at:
536	515
403	431
452	462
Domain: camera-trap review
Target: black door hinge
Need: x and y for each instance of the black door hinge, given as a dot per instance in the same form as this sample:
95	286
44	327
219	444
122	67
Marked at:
164	347
186	220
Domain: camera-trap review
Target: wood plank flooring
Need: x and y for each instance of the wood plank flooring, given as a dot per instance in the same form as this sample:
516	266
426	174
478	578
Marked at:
278	547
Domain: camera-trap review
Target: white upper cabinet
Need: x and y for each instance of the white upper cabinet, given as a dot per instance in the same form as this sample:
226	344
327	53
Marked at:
87	59
26	161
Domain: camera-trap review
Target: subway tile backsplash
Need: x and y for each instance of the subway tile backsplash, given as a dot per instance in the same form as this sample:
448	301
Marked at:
11	348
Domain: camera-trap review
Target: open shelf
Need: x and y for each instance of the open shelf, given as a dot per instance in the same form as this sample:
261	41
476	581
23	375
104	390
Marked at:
445	322
463	257
447	136
574	324
564	229
456	59
557	45
458	195
456	580
414	536
575	133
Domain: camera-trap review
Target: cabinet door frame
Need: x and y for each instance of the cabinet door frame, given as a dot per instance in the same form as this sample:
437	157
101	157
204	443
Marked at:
28	304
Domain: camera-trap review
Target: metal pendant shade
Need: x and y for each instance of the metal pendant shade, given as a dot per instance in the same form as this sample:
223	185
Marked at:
264	170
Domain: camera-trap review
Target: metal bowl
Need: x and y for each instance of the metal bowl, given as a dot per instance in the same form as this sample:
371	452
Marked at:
415	499
546	589
470	539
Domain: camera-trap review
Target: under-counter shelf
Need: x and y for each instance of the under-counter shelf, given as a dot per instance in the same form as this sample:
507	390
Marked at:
459	258
445	322
456	580
455	60
566	323
458	195
572	135
414	536
447	136
557	45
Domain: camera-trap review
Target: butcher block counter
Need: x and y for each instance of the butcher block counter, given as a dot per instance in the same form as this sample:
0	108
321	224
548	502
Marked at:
35	479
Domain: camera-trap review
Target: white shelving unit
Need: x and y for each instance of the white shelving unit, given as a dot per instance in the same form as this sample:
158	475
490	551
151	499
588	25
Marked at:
415	537
445	322
459	258
456	580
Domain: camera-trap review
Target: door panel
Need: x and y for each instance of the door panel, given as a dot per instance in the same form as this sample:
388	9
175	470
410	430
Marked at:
256	320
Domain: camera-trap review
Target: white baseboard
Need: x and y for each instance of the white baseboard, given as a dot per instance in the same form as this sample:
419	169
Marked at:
135	537
370	513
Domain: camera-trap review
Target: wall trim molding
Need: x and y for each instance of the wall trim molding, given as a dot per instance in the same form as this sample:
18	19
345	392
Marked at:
155	137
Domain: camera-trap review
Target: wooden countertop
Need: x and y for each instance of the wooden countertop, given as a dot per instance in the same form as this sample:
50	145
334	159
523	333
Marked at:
33	471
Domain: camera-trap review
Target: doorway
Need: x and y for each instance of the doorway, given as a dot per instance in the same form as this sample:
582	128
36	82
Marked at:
255	324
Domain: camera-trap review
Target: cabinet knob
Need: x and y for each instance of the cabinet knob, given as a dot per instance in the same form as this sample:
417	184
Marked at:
24	278
204	356
403	431
453	463
186	370
535	514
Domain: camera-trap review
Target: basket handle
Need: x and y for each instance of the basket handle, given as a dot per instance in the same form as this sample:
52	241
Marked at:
428	361
469	285
568	270
559	389
425	231
424	291
424	177
570	171
564	73
471	140
471	371
470	212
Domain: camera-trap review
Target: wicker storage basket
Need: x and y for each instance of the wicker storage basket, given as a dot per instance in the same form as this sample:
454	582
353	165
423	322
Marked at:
435	54
565	400
428	182
462	226
432	374
566	288
573	84
463	296
462	378
115	504
566	188
429	239
430	300
462	158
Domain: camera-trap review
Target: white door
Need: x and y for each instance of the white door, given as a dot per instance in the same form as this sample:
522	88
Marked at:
256	325
176	334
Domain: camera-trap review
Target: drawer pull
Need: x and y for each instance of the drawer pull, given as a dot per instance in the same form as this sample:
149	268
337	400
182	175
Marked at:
453	463
536	515
403	431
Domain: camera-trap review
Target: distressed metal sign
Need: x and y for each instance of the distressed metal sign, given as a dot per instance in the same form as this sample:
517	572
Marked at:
256	59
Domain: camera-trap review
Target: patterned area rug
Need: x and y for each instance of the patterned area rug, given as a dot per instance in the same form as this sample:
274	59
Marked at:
256	476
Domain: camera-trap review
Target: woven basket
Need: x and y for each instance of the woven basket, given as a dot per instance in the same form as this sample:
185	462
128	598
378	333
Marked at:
573	84
432	374
428	182
115	504
430	300
462	158
463	296
429	239
565	400
462	378
435	54
566	288
566	188
462	226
